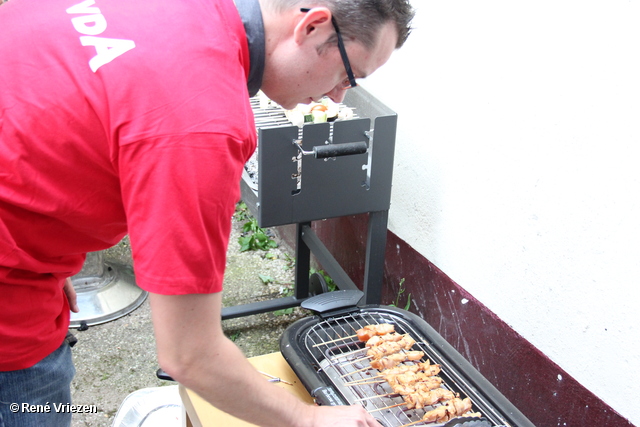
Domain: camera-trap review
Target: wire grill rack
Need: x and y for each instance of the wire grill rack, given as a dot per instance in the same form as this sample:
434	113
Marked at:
341	358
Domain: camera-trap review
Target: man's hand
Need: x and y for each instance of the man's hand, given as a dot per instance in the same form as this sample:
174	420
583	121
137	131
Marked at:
71	295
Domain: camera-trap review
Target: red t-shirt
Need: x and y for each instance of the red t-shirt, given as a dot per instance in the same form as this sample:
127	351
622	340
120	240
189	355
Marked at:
116	117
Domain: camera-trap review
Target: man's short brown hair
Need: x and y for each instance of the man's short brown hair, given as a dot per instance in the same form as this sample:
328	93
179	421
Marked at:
360	20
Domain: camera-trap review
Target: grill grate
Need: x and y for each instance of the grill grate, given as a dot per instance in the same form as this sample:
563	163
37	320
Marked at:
343	363
268	116
273	116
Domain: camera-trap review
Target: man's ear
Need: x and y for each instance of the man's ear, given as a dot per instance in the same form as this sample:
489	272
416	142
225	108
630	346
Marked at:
314	25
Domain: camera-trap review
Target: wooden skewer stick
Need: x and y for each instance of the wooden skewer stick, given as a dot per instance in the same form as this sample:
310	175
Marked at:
415	422
356	360
388	407
354	383
337	339
362	381
355	372
374	397
345	355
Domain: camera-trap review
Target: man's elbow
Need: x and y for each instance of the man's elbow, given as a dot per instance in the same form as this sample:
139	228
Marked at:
183	368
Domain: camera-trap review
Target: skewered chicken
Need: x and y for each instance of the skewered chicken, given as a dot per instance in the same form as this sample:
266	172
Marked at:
390	347
393	359
403	369
369	331
420	399
379	339
425	370
411	378
453	408
404	389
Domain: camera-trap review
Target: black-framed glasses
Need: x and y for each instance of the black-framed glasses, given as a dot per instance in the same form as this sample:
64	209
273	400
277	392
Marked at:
350	81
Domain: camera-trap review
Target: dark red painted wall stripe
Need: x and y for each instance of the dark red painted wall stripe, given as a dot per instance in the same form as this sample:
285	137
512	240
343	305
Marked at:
545	393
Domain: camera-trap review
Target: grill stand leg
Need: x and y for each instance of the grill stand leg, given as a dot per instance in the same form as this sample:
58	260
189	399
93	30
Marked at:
374	261
307	242
303	261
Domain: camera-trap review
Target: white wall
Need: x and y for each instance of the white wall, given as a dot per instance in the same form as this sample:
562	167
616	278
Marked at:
517	171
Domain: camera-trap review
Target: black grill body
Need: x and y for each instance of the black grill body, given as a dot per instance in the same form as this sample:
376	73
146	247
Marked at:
333	372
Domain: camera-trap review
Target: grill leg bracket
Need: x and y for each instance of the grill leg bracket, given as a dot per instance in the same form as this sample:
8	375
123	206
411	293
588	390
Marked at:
309	239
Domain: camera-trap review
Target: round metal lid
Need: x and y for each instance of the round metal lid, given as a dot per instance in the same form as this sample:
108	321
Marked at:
107	296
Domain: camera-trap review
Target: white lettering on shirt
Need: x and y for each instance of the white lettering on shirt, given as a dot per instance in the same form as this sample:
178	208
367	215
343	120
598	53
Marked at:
84	7
91	24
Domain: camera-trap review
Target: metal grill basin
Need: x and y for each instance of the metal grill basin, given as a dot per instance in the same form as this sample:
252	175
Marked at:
326	369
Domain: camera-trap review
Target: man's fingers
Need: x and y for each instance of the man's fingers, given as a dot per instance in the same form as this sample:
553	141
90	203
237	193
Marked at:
72	297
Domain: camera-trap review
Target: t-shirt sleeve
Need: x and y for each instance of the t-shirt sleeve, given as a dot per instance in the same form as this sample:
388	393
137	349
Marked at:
179	193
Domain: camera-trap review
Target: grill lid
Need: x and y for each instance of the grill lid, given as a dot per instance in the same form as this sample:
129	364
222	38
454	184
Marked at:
331	301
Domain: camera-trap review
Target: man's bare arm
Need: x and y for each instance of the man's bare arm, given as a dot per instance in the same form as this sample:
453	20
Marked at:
194	351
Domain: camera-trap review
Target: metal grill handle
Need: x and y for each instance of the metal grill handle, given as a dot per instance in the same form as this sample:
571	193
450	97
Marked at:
334	150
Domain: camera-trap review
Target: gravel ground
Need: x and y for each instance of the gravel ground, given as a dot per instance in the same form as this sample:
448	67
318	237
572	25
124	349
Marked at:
117	358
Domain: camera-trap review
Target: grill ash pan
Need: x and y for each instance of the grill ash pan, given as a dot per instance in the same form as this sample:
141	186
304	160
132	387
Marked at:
331	363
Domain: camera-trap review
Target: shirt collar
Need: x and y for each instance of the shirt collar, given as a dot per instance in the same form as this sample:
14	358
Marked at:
251	16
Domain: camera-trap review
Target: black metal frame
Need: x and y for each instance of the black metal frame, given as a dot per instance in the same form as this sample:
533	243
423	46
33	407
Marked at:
340	186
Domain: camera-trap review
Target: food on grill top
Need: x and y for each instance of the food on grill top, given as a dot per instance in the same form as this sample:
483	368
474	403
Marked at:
369	331
379	339
420	399
410	378
318	112
425	369
453	408
403	369
416	383
391	347
421	386
393	359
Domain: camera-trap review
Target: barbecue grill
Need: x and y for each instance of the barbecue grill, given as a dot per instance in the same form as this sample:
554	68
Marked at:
330	361
344	168
318	171
321	170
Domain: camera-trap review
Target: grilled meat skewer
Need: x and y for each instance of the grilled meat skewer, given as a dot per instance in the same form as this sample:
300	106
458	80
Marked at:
453	408
379	339
394	359
366	333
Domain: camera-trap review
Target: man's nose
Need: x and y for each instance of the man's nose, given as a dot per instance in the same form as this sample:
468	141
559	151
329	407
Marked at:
337	94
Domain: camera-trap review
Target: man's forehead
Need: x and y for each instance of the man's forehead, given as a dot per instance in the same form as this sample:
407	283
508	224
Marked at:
366	61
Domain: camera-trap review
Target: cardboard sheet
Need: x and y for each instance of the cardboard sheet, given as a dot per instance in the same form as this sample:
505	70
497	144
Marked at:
202	414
